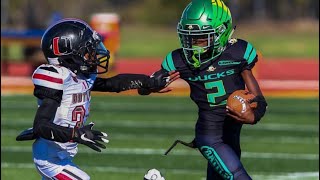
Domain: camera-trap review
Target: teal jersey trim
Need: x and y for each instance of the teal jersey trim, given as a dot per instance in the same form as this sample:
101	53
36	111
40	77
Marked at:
216	162
250	53
168	64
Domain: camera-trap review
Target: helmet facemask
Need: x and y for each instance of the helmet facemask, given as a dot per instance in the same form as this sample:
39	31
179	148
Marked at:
201	46
88	58
93	55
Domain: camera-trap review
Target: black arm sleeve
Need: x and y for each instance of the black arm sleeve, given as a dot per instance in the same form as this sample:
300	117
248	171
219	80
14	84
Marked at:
261	108
45	128
42	92
121	82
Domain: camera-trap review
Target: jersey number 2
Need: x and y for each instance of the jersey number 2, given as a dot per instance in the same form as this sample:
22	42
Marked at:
220	92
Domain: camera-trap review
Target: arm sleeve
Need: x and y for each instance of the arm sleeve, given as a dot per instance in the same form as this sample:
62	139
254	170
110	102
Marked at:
43	125
244	51
261	108
121	82
250	56
48	82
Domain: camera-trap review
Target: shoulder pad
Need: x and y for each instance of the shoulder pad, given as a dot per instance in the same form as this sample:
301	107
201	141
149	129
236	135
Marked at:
250	53
168	63
49	76
243	50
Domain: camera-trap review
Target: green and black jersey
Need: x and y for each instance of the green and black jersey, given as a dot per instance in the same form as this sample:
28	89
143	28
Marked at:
214	81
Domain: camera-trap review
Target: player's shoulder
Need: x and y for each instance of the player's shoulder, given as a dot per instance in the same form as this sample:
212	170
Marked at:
173	60
51	76
241	49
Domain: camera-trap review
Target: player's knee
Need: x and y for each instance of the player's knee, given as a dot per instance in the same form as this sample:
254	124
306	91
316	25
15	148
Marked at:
75	173
86	177
241	174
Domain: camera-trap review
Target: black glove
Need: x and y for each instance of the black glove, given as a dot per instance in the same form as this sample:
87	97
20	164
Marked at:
90	138
158	80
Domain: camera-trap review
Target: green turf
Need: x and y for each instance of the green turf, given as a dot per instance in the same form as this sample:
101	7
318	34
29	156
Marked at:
283	145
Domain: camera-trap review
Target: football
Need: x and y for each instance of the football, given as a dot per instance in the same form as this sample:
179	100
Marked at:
238	98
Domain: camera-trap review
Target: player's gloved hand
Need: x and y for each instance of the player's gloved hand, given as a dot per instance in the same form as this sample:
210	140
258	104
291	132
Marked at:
89	137
159	81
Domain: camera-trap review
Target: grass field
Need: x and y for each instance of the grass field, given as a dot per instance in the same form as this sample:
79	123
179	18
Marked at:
284	145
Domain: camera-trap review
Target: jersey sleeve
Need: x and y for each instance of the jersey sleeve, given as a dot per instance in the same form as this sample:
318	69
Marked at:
246	52
48	82
250	56
168	63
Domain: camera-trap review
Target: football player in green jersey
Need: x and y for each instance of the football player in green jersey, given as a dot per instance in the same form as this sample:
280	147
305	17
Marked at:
215	65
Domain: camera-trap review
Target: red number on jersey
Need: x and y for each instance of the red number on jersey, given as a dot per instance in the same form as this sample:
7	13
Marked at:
78	115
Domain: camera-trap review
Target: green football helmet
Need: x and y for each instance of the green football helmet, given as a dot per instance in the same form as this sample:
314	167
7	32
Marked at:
204	30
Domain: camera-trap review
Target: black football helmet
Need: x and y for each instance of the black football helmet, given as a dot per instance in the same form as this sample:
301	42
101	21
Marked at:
72	43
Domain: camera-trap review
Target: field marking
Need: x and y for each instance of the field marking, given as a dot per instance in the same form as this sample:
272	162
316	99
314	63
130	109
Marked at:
180	125
177	152
256	175
158	137
288	176
103	168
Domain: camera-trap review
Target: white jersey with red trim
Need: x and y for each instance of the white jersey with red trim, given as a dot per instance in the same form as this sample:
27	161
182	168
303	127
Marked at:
73	110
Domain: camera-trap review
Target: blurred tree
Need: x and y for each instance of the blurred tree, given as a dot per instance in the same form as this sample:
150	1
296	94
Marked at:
34	13
234	7
259	9
4	12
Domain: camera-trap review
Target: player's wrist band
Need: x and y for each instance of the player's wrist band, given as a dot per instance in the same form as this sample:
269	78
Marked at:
261	108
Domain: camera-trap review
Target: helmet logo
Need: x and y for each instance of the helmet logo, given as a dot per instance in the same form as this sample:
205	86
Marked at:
190	27
95	35
55	45
204	27
211	69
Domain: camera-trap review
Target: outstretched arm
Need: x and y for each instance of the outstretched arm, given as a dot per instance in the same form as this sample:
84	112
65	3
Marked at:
122	82
173	75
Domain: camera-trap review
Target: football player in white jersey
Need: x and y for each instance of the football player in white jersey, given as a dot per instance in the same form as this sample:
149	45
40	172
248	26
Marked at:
74	52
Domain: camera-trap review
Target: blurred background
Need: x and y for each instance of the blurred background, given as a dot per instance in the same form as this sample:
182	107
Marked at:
139	34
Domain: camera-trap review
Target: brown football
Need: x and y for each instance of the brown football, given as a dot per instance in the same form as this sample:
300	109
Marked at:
238	98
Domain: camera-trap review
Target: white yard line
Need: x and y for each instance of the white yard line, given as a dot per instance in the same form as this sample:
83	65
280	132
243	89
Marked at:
257	175
157	137
178	152
102	168
181	124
